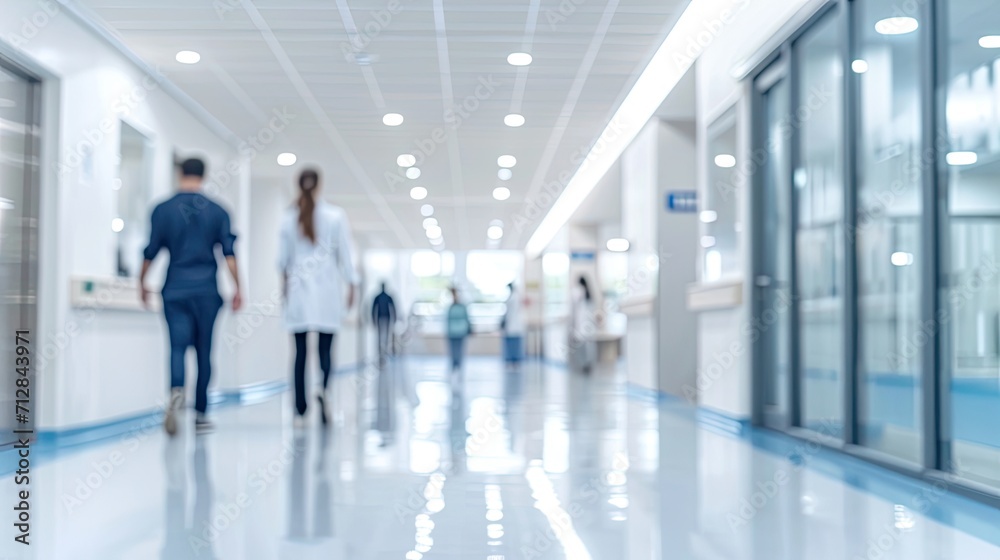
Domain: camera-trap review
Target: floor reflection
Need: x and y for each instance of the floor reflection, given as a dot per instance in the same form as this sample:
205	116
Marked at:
536	462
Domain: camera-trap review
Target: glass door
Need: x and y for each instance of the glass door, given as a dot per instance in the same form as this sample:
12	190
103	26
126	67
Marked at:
773	313
18	229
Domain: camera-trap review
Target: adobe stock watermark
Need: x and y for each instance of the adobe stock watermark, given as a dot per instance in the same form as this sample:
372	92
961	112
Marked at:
101	471
767	490
226	514
562	12
956	299
454	117
536	207
561	518
32	25
723	360
877	547
816	99
378	21
55	344
122	107
427	500
710	29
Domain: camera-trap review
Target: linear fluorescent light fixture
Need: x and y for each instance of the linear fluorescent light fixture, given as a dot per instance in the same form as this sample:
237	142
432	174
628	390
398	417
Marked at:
661	75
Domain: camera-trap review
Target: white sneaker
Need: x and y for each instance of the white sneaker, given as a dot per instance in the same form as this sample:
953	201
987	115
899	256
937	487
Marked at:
173	407
202	425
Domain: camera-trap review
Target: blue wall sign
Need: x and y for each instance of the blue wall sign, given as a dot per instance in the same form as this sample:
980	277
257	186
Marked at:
582	255
682	201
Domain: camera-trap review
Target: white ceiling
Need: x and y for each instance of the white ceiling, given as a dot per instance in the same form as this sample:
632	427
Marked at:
265	55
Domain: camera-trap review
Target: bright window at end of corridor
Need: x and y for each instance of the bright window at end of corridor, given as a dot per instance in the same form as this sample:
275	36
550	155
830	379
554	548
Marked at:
429	264
489	272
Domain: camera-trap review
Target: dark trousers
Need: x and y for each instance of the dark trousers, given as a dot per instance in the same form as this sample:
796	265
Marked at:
457	347
191	322
384	336
325	365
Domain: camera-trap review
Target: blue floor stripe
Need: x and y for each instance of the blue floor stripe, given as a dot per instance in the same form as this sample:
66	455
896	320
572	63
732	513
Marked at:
53	444
935	502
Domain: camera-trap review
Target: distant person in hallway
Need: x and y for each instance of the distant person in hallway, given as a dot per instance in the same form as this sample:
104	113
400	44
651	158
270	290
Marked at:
384	319
582	327
459	328
513	328
316	260
190	226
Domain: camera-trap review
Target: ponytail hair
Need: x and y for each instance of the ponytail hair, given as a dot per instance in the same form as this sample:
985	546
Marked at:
308	182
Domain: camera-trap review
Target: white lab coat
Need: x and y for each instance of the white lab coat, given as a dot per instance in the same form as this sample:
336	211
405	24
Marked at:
316	298
514	318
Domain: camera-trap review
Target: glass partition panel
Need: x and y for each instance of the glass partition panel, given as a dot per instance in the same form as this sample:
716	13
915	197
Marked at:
887	233
971	281
819	201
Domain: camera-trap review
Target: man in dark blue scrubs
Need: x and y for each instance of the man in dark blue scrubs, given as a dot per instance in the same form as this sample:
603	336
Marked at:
384	317
190	226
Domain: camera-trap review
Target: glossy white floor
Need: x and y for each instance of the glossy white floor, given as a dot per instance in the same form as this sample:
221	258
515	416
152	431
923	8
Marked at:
499	466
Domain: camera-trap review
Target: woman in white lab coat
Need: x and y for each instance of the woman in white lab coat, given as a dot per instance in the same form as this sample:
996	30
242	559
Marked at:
316	261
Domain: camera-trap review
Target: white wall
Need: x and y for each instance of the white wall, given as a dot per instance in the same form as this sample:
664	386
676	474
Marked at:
100	365
677	339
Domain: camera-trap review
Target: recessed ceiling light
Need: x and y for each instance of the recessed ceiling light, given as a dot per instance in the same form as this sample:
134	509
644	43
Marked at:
707	241
505	174
438	243
896	25
501	193
859	66
117	225
519	59
430	222
506	161
188	57
708	216
961	158
494	232
413	173
433	232
513	119
990	42
392	119
618	245
406	160
287	159
725	160
418	193
426	210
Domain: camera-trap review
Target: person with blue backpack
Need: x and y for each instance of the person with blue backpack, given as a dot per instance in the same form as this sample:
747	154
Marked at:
458	328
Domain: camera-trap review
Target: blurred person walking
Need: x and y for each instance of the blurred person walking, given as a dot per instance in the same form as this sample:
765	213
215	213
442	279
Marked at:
513	328
190	226
384	319
458	329
316	260
583	325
